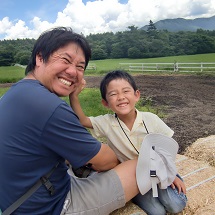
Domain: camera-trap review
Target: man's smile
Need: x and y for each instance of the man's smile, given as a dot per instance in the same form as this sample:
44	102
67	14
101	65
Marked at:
65	82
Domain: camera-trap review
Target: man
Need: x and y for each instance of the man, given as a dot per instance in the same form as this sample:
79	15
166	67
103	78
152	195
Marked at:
38	131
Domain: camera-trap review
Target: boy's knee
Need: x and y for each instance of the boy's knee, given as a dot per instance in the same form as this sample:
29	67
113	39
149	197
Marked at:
176	208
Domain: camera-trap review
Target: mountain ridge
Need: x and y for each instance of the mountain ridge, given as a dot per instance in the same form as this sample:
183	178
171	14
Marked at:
181	24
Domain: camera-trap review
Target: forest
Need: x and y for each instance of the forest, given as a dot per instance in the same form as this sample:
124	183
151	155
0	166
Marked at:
132	43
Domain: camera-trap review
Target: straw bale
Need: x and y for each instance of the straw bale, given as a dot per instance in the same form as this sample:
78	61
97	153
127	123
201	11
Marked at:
203	149
197	168
199	178
186	165
207	210
128	209
201	197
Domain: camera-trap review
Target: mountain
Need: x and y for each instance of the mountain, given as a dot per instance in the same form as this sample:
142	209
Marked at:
181	24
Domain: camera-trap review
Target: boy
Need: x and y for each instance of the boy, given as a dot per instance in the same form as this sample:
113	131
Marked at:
125	131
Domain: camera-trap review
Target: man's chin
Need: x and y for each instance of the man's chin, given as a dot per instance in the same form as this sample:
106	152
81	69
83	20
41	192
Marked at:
63	93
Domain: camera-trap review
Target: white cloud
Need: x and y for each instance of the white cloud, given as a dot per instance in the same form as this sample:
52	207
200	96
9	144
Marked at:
4	25
17	30
108	15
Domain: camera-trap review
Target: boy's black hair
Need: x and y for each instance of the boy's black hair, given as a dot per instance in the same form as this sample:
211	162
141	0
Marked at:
52	40
116	74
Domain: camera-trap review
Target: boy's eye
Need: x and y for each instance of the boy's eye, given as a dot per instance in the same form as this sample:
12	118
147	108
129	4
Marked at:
127	91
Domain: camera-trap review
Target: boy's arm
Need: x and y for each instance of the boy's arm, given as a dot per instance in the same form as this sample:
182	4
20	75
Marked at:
76	106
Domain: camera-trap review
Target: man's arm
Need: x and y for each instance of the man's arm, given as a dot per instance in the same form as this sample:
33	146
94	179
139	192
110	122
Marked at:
76	106
105	159
126	172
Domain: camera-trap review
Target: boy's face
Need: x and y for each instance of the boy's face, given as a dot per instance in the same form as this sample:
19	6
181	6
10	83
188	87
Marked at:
121	97
63	71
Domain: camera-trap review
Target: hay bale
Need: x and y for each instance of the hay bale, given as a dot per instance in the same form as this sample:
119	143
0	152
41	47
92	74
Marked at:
197	168
199	178
208	210
129	209
203	150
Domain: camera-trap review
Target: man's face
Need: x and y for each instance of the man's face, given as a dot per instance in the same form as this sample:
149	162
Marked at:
63	71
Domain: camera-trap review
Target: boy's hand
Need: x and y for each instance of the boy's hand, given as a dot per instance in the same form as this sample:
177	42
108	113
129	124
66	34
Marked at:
83	83
79	88
179	184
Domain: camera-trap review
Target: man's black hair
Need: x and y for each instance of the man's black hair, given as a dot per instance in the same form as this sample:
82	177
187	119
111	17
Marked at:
116	74
51	40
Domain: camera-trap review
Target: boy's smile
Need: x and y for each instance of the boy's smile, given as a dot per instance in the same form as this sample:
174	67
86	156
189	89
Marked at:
121	97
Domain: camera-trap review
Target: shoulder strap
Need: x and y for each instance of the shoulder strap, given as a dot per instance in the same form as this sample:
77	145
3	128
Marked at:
145	127
43	180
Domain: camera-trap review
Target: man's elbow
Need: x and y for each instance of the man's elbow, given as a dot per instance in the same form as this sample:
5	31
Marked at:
106	159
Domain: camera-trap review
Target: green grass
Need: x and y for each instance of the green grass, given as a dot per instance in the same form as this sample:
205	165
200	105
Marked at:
91	99
11	74
3	91
15	73
91	103
106	65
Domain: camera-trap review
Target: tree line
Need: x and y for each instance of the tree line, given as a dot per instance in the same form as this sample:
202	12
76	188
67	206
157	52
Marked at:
132	43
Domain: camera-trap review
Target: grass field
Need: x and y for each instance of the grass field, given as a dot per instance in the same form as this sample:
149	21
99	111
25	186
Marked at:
110	64
94	107
15	73
11	74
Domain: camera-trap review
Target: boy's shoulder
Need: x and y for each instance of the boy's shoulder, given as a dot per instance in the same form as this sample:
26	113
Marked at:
107	116
146	114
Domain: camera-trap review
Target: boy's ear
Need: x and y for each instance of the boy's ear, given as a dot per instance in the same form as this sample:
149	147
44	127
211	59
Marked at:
105	103
137	94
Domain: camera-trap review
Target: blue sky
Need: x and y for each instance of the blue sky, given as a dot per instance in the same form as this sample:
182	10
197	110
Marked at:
27	9
27	19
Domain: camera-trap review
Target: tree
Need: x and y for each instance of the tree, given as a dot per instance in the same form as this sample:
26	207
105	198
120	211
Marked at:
98	53
134	52
132	28
6	58
151	27
22	57
117	51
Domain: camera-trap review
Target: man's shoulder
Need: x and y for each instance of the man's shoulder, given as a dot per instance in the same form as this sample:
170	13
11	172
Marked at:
34	96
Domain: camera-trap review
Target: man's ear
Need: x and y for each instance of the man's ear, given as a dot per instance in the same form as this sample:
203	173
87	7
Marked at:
39	59
105	103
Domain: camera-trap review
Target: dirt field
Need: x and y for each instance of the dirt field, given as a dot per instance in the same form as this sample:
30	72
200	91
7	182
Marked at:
187	101
189	105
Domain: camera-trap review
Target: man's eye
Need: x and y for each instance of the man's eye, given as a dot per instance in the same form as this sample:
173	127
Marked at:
66	60
81	67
